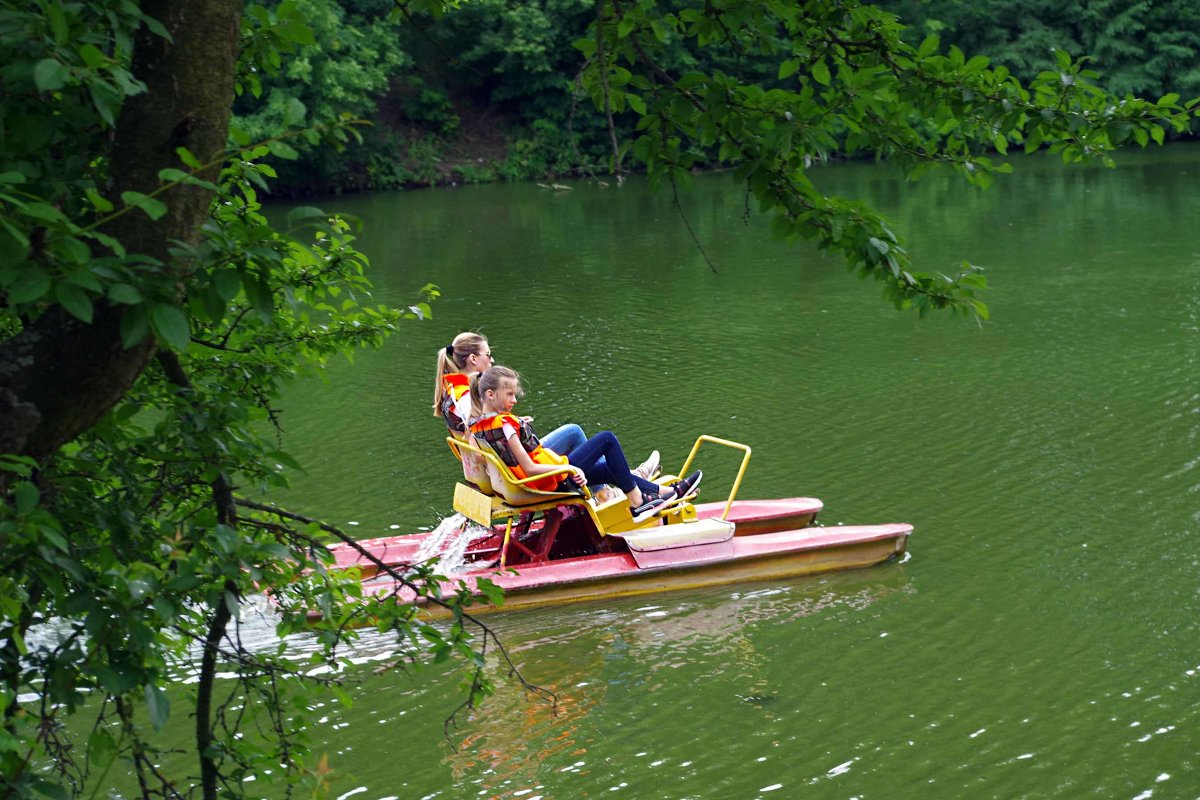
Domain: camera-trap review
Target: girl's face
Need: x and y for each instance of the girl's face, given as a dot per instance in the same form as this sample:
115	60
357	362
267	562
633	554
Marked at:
478	362
504	398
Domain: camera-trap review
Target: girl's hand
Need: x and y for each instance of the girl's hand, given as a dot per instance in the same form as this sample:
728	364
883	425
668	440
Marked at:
578	477
527	419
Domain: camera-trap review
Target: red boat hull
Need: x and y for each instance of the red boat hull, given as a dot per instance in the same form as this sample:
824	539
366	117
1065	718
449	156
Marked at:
737	559
771	556
750	517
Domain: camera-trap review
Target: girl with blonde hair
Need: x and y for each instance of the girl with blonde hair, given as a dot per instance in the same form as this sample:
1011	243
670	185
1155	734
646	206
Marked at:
600	459
470	354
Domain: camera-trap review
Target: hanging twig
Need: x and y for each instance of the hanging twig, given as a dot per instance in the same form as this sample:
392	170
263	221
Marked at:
604	89
405	580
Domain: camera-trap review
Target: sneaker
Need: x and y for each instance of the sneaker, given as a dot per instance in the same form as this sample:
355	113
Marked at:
648	468
687	485
647	509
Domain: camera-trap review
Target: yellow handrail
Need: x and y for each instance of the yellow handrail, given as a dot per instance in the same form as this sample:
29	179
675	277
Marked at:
704	437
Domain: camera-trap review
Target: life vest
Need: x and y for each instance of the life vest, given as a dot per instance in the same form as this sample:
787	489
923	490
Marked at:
456	388
489	429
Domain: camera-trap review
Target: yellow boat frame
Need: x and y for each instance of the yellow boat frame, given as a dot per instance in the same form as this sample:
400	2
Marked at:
511	497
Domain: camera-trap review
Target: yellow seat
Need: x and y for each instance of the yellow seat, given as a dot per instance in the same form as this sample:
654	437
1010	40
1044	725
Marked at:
474	468
501	482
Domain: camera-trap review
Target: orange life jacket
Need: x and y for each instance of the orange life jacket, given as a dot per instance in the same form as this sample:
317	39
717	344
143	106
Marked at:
454	386
489	428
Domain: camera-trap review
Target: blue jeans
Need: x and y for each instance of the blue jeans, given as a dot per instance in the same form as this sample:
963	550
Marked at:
603	461
564	438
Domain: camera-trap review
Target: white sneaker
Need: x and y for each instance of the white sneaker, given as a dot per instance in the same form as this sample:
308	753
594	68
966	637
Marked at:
648	468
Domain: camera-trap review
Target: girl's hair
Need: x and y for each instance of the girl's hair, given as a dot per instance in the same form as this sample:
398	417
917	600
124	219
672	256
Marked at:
492	379
453	358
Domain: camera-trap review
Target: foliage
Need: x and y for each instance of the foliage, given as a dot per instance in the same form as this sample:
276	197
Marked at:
346	63
130	539
511	52
847	84
495	75
1138	47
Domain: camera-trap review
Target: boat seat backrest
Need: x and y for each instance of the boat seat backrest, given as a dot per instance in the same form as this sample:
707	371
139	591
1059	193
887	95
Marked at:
474	467
501	482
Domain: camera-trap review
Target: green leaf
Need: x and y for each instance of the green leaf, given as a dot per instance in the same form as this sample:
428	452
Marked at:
55	538
187	158
50	74
21	465
788	68
259	293
30	285
72	249
294	113
296	32
134	327
820	73
91	55
75	300
19	641
228	283
302	215
86	279
170	324
124	293
58	21
587	46
99	202
154	209
158	705
44	212
53	791
976	64
101	747
106	100
282	150
26	496
12	177
18	236
928	47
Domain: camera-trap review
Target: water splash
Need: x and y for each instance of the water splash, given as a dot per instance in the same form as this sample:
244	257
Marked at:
449	542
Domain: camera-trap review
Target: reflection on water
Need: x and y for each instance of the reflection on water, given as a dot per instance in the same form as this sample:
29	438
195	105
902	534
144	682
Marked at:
518	745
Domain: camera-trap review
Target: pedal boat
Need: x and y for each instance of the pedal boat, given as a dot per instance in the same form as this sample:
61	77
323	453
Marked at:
553	548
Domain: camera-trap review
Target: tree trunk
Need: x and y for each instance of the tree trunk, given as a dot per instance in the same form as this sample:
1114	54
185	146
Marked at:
60	376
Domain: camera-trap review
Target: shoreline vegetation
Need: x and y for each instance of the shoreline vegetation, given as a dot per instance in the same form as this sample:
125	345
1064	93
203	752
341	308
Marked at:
490	92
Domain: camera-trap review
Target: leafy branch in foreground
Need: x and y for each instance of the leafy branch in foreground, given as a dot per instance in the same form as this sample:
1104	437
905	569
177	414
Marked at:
149	319
847	84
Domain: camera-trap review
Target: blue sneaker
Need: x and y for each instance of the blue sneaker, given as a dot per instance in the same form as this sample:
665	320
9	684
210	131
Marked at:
688	485
648	509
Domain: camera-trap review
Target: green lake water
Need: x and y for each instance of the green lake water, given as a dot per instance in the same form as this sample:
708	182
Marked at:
1041	640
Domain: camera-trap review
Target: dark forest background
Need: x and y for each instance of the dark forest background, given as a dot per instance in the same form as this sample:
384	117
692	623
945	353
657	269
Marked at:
488	92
